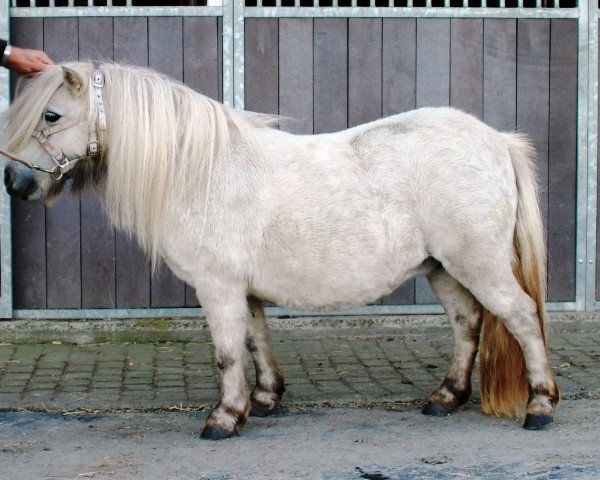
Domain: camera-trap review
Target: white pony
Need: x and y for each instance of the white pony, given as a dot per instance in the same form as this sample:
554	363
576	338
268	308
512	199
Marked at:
245	213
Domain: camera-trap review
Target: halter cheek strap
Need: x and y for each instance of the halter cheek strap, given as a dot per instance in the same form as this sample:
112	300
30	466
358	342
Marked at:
98	84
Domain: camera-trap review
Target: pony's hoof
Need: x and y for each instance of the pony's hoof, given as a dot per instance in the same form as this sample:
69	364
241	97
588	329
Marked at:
258	410
435	410
536	422
212	432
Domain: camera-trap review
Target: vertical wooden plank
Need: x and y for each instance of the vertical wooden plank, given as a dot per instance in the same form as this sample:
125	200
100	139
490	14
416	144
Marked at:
296	73
433	90
96	39
399	95
562	167
97	236
330	74
262	65
131	40
165	53
500	73
364	70
399	65
433	60
200	72
132	265
63	229
201	55
466	65
533	58
28	219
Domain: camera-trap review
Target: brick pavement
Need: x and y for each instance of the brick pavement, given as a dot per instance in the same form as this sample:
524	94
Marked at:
339	366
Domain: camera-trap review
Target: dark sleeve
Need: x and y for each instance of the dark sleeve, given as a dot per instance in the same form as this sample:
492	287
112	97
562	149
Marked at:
3	44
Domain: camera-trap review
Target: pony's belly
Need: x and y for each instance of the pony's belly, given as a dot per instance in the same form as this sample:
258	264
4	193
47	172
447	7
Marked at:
301	284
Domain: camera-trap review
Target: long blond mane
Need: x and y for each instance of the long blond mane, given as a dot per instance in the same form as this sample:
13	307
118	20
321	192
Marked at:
161	143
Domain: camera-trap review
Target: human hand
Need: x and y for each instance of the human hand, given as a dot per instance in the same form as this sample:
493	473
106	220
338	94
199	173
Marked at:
24	60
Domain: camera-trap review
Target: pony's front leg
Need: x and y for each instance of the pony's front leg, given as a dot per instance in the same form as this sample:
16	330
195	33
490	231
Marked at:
227	323
269	380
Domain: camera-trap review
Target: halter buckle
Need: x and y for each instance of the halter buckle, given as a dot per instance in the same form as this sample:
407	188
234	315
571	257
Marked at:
98	79
93	148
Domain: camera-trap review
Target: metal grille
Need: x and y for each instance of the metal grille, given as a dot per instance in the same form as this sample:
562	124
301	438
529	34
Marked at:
305	3
113	3
415	3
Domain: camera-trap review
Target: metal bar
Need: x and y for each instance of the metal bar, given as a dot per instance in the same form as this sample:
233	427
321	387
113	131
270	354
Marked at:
582	160
409	12
238	53
269	311
5	223
228	52
591	134
128	11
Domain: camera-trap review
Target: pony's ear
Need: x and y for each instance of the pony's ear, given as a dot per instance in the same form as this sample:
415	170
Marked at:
73	80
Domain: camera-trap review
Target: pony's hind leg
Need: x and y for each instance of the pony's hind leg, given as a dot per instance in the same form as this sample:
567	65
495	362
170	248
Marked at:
269	380
493	283
465	317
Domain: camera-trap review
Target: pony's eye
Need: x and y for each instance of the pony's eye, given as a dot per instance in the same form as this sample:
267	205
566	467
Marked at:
51	116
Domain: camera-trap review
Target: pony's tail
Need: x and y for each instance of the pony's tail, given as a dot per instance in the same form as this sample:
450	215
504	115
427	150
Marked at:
503	376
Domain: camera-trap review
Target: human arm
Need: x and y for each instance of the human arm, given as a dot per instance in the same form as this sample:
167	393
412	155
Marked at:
24	60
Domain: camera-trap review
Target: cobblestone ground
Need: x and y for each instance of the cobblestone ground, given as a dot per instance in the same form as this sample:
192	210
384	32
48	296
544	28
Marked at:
337	366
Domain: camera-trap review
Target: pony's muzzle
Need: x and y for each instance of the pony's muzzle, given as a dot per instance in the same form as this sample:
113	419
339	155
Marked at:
19	185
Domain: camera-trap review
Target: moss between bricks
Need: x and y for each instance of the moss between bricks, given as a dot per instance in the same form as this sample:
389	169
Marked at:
159	324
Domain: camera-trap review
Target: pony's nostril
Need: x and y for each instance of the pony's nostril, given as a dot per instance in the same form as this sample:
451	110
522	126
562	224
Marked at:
19	186
8	177
28	190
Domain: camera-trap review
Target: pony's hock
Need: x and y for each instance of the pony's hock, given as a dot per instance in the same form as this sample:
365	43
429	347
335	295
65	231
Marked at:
246	213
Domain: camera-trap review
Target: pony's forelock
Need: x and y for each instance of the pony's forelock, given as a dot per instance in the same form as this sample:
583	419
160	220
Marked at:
33	94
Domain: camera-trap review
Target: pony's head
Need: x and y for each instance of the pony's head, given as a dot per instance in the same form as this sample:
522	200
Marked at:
49	124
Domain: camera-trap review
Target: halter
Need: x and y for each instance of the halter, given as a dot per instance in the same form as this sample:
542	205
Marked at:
64	164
